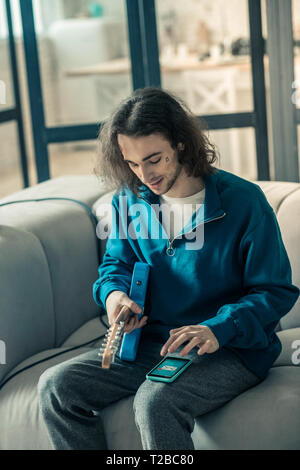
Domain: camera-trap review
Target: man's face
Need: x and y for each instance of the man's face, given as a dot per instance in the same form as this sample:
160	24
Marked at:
153	160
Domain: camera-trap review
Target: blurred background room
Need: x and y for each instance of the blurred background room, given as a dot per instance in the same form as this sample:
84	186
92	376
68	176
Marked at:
65	65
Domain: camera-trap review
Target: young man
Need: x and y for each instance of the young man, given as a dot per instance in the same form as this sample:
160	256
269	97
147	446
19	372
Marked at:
216	299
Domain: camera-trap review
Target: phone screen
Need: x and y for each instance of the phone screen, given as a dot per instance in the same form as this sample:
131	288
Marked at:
169	367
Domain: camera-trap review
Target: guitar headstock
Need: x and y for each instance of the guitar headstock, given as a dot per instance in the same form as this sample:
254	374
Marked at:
113	338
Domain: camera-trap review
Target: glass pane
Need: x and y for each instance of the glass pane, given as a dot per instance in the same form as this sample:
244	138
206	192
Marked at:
84	58
296	33
205	54
72	158
6	84
237	151
10	168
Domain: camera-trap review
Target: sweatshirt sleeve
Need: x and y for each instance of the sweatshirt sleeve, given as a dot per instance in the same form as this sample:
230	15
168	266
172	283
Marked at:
269	292
115	271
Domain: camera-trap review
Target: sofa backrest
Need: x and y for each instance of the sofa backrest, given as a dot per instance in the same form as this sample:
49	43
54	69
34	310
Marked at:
284	197
48	264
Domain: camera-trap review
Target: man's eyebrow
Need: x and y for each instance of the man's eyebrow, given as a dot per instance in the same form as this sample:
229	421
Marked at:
146	158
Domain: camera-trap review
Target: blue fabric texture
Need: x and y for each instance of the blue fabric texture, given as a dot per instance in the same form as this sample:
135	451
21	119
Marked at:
237	282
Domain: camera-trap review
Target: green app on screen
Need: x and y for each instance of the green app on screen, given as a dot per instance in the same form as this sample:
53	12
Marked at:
168	369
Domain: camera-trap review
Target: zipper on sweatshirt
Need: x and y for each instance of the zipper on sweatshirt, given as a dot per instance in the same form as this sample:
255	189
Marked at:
170	250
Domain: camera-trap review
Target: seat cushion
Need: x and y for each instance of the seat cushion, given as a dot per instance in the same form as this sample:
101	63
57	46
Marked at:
21	425
264	417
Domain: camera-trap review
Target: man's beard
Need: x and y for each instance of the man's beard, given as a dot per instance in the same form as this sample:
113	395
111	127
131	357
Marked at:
174	178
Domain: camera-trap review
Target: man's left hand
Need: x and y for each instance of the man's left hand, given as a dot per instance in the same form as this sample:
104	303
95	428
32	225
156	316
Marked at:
196	335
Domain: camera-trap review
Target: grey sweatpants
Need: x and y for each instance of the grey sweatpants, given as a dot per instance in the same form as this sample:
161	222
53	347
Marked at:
164	412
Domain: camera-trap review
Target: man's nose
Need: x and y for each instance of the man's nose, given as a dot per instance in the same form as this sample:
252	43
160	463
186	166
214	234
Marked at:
145	175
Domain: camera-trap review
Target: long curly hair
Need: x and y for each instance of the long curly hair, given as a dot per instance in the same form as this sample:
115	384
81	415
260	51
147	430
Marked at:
147	111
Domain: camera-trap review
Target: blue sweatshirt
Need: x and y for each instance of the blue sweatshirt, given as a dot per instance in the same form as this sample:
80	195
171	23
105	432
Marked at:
238	282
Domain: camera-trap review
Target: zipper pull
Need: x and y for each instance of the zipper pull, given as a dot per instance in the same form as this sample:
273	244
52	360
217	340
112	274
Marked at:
170	250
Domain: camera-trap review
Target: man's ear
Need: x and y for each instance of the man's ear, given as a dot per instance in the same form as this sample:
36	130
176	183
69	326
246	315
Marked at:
180	146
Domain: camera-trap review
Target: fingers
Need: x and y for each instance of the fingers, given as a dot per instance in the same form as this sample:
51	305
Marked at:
134	323
127	311
165	347
205	348
182	338
133	306
193	335
131	323
122	314
178	336
188	347
116	299
118	302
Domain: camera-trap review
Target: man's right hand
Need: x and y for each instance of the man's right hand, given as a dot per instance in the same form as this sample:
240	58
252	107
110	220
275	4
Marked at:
115	301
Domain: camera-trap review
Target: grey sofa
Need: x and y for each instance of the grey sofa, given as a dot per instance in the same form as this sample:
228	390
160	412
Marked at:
48	264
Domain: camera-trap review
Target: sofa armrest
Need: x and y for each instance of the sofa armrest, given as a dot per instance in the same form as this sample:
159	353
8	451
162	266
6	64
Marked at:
26	302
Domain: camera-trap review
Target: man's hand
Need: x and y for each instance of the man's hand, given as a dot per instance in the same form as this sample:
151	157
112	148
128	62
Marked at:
196	335
114	303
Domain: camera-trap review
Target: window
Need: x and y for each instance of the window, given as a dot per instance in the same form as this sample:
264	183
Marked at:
16	16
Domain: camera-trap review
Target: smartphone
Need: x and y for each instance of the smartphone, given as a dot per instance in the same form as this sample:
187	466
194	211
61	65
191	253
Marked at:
168	369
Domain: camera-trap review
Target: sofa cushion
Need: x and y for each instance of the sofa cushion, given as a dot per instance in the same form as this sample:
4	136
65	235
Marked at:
264	417
234	426
288	218
90	330
27	323
68	238
85	188
277	191
21	424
